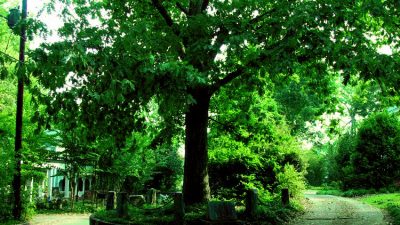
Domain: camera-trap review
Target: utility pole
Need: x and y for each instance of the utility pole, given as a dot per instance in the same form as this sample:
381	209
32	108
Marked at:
16	184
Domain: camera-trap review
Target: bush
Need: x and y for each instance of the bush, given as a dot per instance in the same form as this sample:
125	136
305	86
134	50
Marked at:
377	153
273	212
394	211
316	168
369	158
232	172
291	179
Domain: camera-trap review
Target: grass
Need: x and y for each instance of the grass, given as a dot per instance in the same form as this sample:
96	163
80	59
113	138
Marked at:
382	200
355	192
140	216
11	222
390	202
268	213
79	207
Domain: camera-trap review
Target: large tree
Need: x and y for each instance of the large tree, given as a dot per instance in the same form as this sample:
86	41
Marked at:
115	56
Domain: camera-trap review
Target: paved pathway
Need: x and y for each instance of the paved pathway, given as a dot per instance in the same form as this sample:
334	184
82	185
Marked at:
333	210
60	219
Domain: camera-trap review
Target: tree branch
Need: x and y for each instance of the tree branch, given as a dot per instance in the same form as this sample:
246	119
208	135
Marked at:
183	9
230	128
238	72
161	9
259	17
168	20
9	56
222	34
205	5
231	76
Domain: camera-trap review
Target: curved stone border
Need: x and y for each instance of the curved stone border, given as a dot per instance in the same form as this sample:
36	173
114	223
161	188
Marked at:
96	221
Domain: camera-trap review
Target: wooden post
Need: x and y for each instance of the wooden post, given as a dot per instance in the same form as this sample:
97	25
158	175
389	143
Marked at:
285	196
122	204
251	202
152	196
179	206
16	182
110	200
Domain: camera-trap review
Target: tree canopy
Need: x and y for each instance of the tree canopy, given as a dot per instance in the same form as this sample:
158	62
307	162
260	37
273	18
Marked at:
115	57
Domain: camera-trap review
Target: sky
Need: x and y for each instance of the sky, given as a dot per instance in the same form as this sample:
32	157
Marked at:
51	20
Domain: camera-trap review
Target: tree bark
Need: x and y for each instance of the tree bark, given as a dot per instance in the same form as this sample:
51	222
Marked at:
196	187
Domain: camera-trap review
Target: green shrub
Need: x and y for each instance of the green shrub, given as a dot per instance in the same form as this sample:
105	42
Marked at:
316	168
369	158
377	153
291	179
394	211
273	212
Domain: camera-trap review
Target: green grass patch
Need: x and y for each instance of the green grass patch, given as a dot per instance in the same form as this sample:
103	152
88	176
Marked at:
145	215
382	200
11	222
79	207
355	192
390	202
268	213
275	213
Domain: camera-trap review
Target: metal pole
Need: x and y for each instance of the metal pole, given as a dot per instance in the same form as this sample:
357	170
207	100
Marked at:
17	210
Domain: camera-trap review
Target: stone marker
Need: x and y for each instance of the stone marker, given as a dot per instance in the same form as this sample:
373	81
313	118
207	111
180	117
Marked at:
110	200
58	203
152	196
285	196
251	202
136	200
221	211
179	206
101	195
122	204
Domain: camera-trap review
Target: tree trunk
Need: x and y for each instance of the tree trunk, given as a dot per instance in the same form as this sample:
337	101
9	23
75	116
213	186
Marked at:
196	187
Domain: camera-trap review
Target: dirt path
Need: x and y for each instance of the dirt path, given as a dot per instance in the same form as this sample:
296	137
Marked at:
333	210
60	219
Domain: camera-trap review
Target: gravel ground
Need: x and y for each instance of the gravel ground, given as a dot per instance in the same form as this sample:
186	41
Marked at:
333	210
60	219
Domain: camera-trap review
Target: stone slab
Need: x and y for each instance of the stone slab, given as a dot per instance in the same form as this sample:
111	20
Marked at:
221	211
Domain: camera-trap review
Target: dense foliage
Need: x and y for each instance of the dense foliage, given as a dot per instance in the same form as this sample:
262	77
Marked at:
367	159
251	147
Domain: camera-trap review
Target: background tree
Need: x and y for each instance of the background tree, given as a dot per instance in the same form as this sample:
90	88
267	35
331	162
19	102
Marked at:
182	53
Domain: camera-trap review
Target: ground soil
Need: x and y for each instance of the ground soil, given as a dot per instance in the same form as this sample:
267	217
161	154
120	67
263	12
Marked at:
333	210
60	219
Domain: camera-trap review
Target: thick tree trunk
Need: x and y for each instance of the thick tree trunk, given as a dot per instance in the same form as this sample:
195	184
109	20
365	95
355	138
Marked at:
196	187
